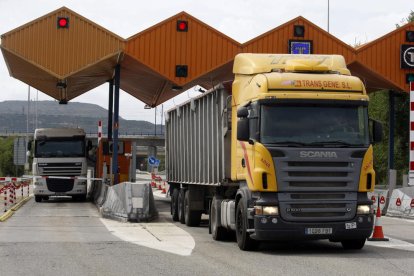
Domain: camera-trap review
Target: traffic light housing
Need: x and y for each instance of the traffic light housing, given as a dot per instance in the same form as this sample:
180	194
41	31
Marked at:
409	77
409	36
181	71
299	31
63	22
182	26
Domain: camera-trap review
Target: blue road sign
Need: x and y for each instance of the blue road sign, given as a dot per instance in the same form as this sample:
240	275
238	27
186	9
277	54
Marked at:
153	161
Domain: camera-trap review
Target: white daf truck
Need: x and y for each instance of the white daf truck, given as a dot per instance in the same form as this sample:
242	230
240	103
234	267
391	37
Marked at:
59	160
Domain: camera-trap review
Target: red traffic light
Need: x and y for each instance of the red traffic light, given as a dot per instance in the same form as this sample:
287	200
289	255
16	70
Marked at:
63	22
182	26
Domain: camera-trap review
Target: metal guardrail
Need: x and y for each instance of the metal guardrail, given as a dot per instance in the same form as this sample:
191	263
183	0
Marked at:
92	135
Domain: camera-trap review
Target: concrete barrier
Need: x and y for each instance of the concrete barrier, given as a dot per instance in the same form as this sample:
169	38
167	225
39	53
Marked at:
400	202
129	201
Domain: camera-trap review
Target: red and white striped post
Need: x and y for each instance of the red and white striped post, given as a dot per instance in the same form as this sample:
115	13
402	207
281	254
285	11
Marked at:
99	131
411	171
5	198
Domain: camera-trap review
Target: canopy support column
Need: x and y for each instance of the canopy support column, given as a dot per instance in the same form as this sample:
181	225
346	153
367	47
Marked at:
115	170
110	108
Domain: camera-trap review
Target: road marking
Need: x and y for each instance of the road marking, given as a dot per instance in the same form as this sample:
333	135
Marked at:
161	236
392	243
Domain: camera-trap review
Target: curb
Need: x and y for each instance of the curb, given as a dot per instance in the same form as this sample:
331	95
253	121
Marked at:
6	215
11	211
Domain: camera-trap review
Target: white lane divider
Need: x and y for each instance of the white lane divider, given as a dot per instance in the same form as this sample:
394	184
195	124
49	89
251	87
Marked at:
392	243
160	236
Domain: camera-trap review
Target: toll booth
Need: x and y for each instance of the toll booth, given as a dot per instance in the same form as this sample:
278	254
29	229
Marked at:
126	166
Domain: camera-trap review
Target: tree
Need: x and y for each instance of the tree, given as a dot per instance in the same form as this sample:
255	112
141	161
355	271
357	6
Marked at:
406	20
7	166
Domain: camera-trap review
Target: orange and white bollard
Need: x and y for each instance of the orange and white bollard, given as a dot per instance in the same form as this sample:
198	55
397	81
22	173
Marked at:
378	234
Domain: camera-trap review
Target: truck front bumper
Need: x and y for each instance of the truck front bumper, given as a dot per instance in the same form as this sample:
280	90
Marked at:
59	188
276	229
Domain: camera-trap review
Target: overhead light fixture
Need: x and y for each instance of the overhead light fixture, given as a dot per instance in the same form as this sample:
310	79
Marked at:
63	101
176	88
147	106
61	85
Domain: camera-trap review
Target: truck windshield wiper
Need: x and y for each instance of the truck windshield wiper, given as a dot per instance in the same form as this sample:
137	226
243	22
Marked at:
336	143
288	144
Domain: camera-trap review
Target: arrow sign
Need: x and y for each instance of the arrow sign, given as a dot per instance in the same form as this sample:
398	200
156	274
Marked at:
412	203
373	198
398	202
382	200
151	160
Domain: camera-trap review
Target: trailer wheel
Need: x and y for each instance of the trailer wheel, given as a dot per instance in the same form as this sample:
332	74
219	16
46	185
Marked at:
181	216
174	204
353	244
38	198
192	218
244	241
219	233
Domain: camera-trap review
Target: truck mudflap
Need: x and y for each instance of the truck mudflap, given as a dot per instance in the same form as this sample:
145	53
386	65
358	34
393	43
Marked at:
274	228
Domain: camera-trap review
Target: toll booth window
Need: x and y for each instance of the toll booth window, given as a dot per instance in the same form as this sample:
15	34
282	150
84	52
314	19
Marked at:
314	124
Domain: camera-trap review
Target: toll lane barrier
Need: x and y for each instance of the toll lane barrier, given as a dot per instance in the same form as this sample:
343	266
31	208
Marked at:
401	202
12	193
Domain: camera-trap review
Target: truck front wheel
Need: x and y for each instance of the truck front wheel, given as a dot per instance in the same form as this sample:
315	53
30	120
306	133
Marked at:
244	241
353	244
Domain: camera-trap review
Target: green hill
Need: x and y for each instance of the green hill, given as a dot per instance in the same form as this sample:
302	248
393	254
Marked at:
13	118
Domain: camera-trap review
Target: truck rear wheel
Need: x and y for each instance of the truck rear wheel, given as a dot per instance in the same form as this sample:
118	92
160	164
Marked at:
244	241
174	204
181	195
219	233
192	217
353	244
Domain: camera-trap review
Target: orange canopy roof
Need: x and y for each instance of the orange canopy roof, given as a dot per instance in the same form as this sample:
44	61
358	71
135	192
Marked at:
67	62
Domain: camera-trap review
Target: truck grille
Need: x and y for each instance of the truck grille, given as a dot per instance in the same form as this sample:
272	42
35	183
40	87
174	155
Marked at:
67	169
318	188
59	185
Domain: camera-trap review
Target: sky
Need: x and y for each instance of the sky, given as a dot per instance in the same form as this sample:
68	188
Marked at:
352	21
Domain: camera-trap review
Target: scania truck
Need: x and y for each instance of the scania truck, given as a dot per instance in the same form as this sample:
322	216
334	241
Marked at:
59	163
282	152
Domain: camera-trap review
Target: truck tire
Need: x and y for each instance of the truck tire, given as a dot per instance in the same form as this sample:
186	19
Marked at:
38	198
181	195
244	241
174	204
353	244
192	217
219	233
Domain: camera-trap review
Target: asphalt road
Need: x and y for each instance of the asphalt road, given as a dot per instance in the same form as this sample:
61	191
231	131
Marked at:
62	237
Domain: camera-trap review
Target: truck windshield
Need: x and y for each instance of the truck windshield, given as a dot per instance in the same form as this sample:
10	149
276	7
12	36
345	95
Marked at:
59	148
314	125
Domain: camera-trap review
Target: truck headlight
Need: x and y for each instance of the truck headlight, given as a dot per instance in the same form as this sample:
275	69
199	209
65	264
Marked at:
363	210
266	210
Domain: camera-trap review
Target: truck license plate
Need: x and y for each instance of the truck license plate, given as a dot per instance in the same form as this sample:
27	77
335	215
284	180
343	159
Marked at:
318	231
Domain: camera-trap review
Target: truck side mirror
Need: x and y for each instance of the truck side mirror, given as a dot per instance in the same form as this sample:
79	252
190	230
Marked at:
243	124
376	132
89	145
29	145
